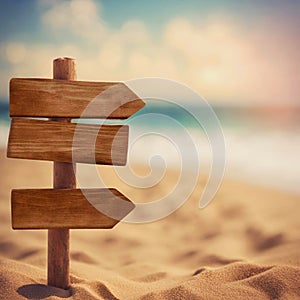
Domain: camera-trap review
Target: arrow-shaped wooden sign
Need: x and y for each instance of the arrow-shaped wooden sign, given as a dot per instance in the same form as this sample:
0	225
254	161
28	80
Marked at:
50	140
52	98
67	208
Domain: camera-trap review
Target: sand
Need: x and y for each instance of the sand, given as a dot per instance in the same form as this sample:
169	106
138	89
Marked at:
244	245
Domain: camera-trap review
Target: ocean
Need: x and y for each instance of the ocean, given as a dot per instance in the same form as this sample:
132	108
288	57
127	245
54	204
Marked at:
262	143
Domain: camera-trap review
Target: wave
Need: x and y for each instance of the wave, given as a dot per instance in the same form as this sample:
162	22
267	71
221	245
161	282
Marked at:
4	130
266	157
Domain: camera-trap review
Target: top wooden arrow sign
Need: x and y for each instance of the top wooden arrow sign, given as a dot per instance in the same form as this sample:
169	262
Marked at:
52	98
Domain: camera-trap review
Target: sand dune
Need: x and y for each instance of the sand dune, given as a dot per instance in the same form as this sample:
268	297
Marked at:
244	245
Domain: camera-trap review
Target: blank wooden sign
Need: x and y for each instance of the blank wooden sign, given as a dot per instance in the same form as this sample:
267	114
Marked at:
50	140
67	208
53	98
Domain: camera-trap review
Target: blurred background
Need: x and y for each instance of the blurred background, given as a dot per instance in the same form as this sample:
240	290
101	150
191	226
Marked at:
241	56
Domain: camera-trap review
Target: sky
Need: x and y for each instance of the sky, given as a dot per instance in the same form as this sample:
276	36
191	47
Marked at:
230	52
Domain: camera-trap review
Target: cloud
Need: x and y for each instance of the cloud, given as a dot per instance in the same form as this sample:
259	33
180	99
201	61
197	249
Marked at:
80	17
219	57
213	54
15	52
227	61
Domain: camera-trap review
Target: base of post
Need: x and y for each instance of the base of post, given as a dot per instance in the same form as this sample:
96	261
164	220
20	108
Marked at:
58	258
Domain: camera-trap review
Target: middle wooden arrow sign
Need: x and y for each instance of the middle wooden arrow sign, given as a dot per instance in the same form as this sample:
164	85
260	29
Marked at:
50	140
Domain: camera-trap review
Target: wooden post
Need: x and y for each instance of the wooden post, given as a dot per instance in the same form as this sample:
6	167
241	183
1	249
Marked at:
63	177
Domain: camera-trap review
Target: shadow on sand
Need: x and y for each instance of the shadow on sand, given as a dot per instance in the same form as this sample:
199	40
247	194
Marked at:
41	291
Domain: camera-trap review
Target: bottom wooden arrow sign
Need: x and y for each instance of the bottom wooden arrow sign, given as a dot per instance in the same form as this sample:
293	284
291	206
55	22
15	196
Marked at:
67	208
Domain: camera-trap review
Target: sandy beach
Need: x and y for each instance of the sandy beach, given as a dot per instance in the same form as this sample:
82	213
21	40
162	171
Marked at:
182	88
244	245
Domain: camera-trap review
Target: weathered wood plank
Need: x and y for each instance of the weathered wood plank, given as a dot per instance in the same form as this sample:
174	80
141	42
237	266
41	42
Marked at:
50	140
51	98
66	208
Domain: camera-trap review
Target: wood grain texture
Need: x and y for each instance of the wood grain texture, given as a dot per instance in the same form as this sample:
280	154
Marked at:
50	140
64	176
64	68
59	258
67	208
51	98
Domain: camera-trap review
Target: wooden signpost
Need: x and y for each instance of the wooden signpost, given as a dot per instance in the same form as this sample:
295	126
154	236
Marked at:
64	207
